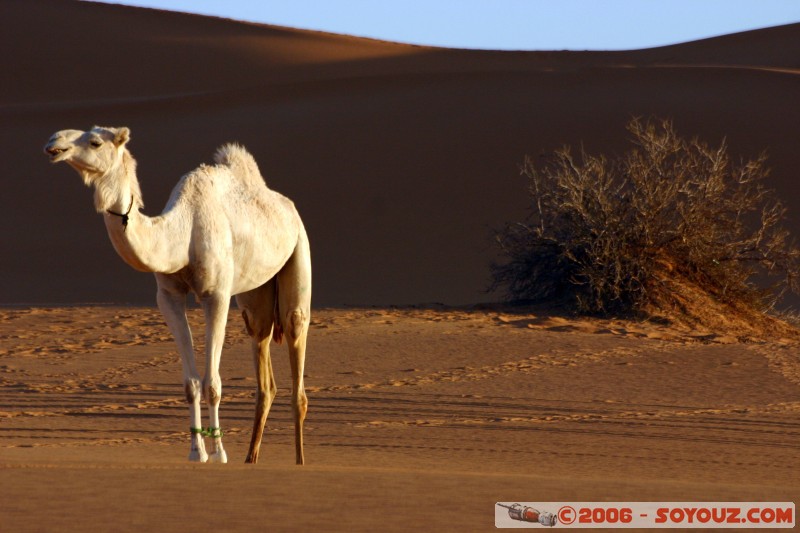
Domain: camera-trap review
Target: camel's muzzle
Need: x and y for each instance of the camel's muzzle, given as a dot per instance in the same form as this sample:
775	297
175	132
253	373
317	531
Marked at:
55	152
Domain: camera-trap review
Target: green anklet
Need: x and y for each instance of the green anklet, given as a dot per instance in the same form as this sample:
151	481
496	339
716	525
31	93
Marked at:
215	433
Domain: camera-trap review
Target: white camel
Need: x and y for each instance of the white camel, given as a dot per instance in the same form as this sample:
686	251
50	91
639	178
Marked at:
223	232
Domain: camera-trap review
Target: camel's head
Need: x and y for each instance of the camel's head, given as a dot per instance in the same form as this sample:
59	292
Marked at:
92	153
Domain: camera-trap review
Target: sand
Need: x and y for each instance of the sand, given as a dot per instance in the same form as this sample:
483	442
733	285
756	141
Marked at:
401	160
418	418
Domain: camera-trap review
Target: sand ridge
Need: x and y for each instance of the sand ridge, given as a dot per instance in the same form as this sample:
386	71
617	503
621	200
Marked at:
398	148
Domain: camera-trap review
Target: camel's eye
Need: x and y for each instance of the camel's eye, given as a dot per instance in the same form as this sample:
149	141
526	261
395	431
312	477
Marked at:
97	143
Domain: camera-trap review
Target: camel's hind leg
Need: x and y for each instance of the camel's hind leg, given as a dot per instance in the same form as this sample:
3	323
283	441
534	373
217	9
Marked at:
258	311
294	302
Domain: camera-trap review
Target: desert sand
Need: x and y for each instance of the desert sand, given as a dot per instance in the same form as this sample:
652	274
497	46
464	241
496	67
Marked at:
418	418
401	159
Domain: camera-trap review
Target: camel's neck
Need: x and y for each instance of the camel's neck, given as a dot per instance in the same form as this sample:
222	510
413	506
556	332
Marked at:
148	244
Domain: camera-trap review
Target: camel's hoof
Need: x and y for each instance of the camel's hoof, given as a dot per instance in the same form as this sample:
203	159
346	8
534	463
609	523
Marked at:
251	460
198	456
218	457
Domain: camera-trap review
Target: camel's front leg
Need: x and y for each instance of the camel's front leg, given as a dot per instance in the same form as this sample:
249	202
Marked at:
172	304
215	308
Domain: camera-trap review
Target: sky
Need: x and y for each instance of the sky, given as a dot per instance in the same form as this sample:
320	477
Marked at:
508	24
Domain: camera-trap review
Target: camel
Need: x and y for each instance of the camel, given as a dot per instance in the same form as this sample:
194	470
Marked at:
223	232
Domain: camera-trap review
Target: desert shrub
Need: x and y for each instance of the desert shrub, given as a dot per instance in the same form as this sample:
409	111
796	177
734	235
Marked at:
614	235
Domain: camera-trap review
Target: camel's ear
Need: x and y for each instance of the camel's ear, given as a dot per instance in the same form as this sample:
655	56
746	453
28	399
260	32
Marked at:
122	137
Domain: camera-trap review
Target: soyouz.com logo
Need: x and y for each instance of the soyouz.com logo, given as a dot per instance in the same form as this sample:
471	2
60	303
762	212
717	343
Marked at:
688	515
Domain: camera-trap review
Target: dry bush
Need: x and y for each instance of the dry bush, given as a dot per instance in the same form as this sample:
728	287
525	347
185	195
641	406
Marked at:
617	236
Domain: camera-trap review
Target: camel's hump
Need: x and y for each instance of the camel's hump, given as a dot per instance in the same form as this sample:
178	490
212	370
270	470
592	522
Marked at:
241	162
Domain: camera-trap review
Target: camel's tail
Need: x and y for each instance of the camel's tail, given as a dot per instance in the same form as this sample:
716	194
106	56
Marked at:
240	161
277	332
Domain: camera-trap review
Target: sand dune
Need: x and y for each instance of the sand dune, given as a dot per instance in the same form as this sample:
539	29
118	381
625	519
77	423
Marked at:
401	158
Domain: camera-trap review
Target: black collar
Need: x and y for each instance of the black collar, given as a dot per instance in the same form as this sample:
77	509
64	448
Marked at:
124	217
